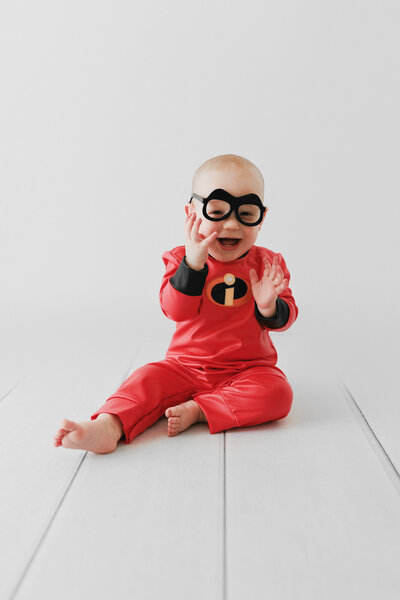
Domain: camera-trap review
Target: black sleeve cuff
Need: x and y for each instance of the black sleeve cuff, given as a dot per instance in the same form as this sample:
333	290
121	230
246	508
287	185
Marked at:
188	281
280	317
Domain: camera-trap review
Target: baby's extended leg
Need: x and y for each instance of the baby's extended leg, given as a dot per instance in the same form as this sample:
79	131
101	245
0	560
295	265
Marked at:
182	416
100	436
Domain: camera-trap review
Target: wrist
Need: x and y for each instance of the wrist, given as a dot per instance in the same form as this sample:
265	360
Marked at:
268	312
193	265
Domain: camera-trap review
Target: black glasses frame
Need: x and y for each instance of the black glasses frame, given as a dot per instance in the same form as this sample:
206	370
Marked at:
234	201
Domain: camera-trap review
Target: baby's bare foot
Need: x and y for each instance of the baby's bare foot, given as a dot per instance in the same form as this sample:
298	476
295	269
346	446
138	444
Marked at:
100	436
182	416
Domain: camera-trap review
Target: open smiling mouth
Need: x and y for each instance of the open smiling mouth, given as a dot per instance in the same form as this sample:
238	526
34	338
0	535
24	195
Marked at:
228	242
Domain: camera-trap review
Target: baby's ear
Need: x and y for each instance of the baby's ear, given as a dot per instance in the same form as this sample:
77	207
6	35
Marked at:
265	214
189	208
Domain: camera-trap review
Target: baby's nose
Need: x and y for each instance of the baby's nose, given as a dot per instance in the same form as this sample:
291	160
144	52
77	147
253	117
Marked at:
231	222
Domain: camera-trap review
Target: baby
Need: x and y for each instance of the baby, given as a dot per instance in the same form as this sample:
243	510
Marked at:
225	295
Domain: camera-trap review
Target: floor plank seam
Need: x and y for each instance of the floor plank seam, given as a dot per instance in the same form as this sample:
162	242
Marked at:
11	389
53	516
46	530
379	450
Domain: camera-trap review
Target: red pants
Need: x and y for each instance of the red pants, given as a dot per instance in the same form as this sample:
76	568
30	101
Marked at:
228	398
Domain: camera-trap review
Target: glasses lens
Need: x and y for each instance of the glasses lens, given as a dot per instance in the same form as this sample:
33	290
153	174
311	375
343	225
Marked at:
249	213
217	209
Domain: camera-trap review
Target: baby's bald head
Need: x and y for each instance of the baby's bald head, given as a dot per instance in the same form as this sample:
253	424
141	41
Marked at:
231	172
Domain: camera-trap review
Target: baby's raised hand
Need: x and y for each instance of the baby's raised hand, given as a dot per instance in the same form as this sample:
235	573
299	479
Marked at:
196	244
267	289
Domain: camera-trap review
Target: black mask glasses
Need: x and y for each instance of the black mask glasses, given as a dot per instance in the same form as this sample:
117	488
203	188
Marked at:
220	204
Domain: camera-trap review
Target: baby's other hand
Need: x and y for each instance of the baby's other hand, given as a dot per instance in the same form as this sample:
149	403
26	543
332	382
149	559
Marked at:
196	244
267	289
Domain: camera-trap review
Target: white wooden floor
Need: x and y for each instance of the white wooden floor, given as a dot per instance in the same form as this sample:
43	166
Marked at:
307	507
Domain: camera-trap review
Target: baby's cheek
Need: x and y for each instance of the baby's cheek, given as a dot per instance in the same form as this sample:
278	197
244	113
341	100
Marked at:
206	229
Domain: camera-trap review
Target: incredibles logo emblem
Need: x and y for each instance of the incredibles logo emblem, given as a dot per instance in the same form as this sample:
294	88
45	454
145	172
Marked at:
228	291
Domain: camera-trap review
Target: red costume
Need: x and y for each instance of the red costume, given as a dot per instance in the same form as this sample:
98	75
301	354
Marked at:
220	355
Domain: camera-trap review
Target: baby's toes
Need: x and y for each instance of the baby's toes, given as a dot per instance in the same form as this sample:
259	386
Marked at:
173	430
171	412
174	421
60	434
68	425
58	438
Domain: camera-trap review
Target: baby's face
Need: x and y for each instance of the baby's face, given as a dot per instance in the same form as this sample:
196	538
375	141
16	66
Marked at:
237	184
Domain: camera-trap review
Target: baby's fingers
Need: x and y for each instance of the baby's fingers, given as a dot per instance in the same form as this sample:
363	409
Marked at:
281	287
207	241
193	225
267	267
189	224
253	277
195	229
274	267
277	280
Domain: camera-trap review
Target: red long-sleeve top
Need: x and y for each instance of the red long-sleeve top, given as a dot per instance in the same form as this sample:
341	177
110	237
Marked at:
218	324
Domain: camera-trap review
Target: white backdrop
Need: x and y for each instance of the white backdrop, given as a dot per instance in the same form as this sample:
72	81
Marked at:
107	108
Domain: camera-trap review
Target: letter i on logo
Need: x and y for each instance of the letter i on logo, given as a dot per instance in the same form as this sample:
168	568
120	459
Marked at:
229	279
